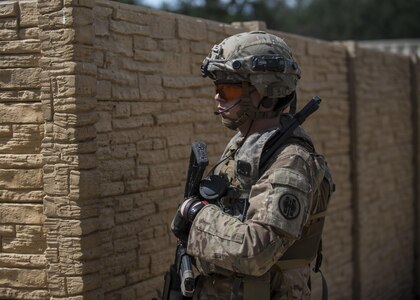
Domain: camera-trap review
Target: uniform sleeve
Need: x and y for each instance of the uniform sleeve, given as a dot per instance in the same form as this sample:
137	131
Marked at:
279	207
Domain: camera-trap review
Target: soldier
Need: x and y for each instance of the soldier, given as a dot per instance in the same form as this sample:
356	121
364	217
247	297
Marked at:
257	237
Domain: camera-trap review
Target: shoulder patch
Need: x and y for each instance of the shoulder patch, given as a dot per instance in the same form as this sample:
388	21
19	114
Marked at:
289	206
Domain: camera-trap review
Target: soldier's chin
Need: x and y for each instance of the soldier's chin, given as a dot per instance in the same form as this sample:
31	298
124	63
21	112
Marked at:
229	123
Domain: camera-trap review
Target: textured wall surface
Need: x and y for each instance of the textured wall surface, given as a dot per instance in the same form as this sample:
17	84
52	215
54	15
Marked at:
22	238
385	175
71	179
99	104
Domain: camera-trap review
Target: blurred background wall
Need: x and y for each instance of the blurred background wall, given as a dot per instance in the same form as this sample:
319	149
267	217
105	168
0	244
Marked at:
100	102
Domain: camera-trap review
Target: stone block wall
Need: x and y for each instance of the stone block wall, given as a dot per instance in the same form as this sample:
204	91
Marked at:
385	173
99	104
22	235
71	178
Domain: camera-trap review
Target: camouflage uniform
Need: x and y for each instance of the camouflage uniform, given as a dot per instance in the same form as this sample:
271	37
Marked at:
226	242
258	239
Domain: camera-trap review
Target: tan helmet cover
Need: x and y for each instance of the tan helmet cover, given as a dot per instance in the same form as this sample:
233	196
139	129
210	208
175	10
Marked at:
262	59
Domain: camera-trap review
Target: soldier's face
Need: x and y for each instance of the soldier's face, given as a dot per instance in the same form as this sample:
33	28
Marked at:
229	108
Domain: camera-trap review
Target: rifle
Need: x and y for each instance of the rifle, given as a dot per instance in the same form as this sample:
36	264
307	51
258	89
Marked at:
280	138
179	280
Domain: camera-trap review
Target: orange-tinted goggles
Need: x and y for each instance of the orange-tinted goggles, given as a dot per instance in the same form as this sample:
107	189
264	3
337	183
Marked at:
229	91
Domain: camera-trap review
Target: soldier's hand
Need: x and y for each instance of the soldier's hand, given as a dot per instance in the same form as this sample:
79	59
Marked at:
186	213
180	227
190	208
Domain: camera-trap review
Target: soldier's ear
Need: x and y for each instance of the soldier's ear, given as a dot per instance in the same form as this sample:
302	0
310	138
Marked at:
267	102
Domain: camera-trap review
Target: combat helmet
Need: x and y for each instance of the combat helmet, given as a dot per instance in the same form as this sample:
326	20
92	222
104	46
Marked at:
258	58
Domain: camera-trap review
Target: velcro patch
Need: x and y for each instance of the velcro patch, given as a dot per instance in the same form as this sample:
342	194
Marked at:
289	177
243	168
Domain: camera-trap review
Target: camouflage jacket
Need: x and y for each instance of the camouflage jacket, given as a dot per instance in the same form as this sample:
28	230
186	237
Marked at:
248	233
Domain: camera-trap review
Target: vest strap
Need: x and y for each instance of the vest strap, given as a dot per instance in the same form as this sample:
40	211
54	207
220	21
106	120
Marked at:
324	287
318	215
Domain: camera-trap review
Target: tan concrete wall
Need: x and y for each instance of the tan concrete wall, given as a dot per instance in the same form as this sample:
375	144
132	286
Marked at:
384	175
22	238
71	178
100	102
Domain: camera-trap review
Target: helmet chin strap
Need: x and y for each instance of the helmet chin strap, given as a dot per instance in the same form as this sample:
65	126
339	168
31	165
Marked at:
235	124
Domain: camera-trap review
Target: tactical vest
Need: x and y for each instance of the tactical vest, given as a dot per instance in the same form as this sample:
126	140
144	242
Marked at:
242	170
